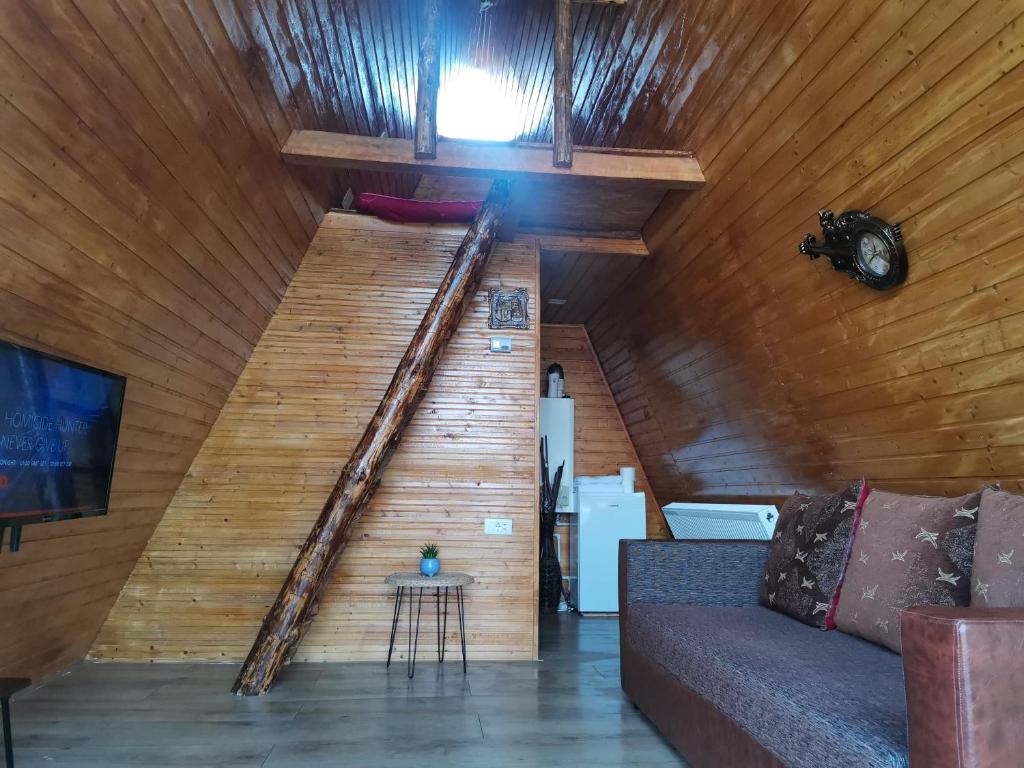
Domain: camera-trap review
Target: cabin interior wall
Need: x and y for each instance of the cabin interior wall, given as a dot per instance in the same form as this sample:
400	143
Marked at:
743	370
147	227
217	560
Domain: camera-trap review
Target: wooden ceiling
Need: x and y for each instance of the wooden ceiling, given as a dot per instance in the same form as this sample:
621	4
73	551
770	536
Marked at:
575	282
350	66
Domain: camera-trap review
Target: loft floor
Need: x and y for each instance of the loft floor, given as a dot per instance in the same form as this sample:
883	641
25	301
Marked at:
566	710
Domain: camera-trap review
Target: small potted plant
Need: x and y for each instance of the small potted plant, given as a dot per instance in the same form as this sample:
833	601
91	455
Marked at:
429	564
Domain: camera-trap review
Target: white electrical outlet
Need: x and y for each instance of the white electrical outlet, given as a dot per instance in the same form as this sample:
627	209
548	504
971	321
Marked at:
498	526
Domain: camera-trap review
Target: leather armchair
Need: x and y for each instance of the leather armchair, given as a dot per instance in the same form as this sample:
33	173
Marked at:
964	671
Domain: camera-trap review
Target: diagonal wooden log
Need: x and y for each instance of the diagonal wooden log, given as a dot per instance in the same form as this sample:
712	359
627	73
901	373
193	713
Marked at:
428	81
295	606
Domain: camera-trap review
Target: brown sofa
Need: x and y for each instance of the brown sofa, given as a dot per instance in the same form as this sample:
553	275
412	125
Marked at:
730	683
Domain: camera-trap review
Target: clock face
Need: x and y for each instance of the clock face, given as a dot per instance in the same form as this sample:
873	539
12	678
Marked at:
873	255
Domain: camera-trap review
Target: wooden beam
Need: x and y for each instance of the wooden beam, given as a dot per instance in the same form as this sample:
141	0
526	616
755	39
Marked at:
295	606
569	242
467	158
562	105
428	81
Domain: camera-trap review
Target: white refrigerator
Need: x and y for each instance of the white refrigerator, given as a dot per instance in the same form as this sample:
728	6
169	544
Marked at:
604	515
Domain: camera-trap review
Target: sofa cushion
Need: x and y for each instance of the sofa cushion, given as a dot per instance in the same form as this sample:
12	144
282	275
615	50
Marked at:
808	554
997	580
907	551
812	698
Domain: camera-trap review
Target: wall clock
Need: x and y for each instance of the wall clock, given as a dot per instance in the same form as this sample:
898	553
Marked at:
863	246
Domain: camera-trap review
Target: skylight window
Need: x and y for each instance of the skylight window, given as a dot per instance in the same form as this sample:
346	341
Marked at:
473	104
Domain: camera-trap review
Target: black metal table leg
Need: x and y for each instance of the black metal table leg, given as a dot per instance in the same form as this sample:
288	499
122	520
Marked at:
462	627
5	705
442	633
394	621
413	647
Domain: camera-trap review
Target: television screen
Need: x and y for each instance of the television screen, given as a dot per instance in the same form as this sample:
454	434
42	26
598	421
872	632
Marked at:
59	423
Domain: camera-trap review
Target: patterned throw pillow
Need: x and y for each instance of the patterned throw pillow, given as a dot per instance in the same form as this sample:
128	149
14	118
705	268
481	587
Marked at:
907	551
808	554
998	577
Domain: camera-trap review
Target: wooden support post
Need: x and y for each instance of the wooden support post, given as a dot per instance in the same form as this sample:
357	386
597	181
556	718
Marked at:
295	606
562	106
429	80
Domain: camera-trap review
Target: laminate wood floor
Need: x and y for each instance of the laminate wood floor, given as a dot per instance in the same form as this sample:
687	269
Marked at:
566	710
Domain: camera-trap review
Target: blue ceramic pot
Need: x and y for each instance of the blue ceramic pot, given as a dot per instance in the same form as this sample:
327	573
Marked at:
429	566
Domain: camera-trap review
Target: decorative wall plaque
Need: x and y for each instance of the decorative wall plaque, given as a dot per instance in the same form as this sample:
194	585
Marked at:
509	308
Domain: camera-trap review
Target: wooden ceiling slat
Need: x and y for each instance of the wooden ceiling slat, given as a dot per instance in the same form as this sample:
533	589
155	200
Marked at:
613	67
536	88
293	18
661	27
189	86
116	106
584	40
628	43
350	66
271	31
304	22
350	27
695	23
410	29
355	116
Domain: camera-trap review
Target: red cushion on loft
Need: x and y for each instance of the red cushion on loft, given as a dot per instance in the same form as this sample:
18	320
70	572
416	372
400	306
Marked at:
418	211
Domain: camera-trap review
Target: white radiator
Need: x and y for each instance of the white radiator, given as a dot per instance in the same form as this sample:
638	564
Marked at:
721	521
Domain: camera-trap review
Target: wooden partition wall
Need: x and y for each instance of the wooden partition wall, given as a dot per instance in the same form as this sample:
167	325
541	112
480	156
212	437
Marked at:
147	227
745	371
602	442
217	560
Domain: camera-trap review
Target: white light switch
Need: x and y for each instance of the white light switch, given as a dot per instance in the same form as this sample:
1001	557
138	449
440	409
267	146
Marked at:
498	526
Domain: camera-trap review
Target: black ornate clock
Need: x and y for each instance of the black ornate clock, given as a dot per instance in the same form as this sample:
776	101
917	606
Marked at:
863	246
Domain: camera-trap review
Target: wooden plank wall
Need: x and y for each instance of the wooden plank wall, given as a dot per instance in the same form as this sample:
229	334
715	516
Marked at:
147	227
217	560
602	442
745	371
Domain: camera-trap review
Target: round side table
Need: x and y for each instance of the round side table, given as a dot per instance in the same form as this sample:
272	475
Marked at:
406	582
